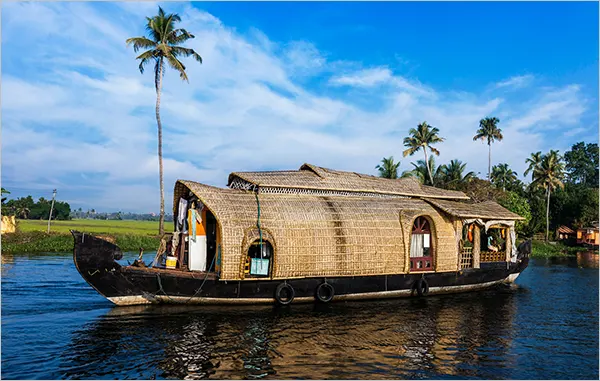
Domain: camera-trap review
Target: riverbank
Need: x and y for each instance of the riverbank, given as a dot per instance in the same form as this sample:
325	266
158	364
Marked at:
31	236
35	242
541	249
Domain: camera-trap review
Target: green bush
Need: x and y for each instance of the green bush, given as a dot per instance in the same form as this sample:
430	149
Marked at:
36	241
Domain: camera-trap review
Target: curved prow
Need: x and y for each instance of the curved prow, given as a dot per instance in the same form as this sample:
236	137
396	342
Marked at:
524	249
94	253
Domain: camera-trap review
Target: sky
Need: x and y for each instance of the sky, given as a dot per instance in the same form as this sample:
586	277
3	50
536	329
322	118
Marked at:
333	84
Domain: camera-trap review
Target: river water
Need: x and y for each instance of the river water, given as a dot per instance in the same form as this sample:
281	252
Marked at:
55	326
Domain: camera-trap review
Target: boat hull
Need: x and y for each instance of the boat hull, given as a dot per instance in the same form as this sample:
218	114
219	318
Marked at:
95	260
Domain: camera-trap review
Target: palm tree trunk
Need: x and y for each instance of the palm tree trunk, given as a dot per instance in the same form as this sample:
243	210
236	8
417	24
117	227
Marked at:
427	165
490	162
548	214
161	226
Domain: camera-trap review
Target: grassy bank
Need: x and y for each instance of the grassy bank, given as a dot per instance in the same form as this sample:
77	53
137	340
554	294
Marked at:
35	241
92	226
541	249
31	236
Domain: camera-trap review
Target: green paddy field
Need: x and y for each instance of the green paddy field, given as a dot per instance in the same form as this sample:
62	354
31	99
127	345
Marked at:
31	236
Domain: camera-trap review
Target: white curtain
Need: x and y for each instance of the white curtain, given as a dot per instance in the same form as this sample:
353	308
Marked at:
416	245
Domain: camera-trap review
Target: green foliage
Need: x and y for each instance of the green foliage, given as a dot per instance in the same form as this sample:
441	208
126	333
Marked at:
37	241
388	169
26	208
423	137
576	206
3	192
163	44
482	190
420	172
543	249
452	176
582	164
488	130
503	176
519	205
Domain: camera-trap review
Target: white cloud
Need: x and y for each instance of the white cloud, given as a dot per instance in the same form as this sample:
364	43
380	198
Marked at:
85	118
515	82
363	78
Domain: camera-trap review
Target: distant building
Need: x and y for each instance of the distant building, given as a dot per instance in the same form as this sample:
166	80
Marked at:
589	235
564	233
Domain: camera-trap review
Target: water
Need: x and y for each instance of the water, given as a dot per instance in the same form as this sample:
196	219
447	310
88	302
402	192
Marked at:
55	326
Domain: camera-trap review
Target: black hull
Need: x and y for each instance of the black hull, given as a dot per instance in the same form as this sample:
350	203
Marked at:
128	285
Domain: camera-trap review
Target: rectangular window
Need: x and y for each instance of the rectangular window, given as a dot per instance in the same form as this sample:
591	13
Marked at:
416	245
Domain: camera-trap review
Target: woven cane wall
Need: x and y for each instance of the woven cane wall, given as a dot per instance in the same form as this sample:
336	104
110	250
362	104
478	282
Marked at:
322	236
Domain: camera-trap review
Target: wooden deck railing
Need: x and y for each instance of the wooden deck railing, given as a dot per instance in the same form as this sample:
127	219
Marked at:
493	256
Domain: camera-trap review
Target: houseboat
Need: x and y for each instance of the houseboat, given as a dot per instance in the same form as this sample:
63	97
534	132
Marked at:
312	235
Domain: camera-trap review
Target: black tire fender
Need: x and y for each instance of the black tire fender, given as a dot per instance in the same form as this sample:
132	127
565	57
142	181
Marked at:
280	294
422	287
324	292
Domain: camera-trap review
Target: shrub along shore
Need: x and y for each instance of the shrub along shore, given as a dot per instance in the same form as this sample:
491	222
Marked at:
36	242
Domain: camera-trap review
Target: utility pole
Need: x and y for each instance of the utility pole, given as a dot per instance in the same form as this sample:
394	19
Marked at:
51	207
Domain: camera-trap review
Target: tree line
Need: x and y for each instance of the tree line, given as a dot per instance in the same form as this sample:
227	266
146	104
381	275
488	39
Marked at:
27	208
563	189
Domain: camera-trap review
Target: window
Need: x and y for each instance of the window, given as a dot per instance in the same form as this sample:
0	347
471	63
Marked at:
421	250
258	261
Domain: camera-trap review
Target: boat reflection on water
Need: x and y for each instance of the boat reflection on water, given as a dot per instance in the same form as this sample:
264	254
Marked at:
462	335
587	259
583	259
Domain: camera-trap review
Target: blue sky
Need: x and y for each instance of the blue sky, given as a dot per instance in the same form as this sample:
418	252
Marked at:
333	84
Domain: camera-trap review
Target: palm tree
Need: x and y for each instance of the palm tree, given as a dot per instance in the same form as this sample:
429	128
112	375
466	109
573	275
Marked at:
533	161
488	130
453	173
423	137
163	45
22	212
548	175
388	169
422	171
502	176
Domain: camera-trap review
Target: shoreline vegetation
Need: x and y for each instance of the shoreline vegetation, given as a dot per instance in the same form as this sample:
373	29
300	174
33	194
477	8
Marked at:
31	237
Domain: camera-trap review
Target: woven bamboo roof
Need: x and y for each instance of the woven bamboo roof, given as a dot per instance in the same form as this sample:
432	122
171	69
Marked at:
319	179
486	210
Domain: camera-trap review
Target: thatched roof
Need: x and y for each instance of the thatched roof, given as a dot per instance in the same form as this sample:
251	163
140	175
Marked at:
486	210
317	180
565	230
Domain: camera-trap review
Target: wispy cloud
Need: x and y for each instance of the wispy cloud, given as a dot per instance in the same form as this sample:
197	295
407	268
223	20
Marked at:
363	78
77	114
515	82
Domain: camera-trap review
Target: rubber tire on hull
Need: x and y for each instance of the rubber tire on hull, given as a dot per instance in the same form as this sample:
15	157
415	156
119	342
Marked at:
324	293
422	287
280	294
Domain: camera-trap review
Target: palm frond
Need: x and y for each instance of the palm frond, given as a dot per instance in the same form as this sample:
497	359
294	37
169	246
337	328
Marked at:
178	66
181	51
140	43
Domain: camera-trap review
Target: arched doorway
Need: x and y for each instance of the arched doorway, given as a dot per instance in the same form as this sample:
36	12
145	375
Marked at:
421	245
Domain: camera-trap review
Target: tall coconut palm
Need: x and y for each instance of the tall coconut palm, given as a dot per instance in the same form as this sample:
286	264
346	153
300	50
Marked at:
502	176
549	175
388	169
488	130
533	162
422	138
163	44
453	173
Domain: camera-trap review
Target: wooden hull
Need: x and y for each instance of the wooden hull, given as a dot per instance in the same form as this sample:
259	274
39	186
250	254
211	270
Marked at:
95	260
